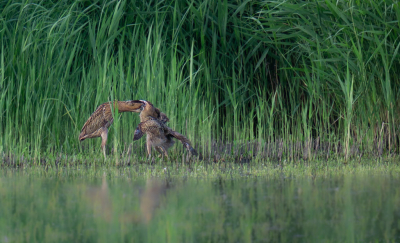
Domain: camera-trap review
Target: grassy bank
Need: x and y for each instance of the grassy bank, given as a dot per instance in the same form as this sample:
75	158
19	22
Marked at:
296	81
176	170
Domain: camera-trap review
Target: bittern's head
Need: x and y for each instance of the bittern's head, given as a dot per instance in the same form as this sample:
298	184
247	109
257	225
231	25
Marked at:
148	109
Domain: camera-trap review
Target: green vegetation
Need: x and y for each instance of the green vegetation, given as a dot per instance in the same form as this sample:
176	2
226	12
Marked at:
281	79
292	105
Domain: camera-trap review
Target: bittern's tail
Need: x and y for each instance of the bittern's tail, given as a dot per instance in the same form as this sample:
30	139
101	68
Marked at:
184	141
82	136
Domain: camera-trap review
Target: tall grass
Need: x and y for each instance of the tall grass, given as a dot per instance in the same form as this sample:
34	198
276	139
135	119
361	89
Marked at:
226	72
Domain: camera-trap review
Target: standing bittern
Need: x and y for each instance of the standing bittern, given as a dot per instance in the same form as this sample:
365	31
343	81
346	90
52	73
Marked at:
98	123
152	122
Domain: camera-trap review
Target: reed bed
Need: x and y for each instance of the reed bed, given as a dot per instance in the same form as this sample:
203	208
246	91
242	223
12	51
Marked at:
294	80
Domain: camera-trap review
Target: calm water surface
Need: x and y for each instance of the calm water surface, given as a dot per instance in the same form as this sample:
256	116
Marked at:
110	209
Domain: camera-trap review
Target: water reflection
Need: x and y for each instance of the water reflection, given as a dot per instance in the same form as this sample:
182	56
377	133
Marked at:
98	198
150	198
339	209
100	201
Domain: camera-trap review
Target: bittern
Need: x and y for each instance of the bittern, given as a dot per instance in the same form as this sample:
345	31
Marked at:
152	122
98	123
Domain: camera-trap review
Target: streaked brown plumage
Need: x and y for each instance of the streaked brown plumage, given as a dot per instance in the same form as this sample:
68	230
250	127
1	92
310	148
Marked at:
152	122
148	111
98	123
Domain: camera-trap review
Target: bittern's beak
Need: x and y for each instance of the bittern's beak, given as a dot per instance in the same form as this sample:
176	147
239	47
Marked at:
137	105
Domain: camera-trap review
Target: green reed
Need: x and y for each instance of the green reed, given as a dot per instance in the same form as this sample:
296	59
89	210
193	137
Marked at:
224	72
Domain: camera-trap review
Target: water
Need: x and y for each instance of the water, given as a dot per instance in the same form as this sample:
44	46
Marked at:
349	208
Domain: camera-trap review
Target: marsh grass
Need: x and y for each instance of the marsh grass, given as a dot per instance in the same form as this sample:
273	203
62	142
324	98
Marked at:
279	80
96	168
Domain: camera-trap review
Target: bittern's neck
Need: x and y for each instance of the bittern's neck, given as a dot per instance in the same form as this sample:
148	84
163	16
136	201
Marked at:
147	113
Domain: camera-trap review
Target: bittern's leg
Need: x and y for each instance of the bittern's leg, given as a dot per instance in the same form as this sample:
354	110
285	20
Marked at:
162	150
159	150
148	143
165	152
104	135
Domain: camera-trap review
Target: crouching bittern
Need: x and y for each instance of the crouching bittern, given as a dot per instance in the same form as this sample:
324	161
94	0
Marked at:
98	123
152	122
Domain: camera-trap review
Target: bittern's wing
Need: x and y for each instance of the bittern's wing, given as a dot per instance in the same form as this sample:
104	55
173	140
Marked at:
138	133
101	117
184	140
